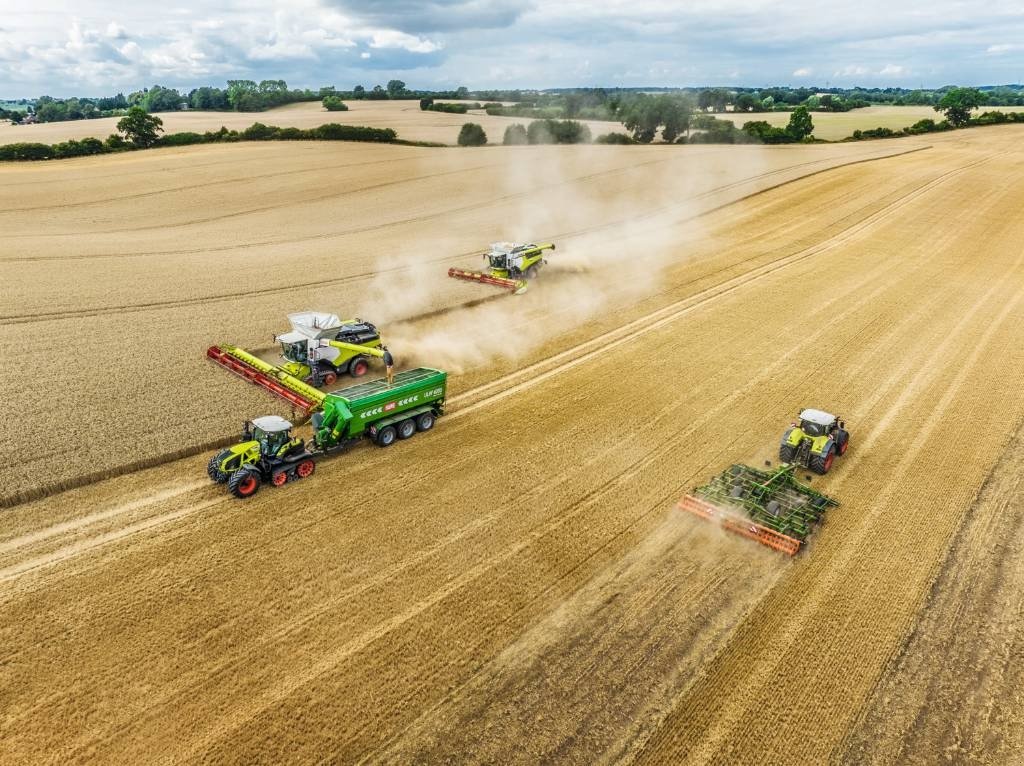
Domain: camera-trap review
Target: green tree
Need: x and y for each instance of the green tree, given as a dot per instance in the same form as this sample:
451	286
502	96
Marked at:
396	88
800	124
472	135
139	128
958	103
515	134
334	104
358	92
426	103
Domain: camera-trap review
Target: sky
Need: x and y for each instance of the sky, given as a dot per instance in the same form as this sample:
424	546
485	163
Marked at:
100	47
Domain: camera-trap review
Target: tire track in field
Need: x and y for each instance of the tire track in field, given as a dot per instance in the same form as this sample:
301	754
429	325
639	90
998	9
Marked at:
13	319
319	169
661	210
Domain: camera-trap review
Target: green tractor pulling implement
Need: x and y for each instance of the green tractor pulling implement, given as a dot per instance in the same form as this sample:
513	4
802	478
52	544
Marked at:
772	506
510	266
268	452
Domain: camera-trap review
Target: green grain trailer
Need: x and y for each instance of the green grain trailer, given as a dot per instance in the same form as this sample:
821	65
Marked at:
373	410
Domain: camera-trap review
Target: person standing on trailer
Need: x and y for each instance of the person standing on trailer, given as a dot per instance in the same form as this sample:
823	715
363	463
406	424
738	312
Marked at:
389	364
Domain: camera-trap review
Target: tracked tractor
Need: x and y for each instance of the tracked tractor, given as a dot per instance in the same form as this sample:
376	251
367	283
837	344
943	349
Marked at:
509	266
267	452
814	441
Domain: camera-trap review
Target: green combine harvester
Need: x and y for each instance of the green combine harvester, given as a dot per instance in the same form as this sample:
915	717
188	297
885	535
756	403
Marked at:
772	506
510	266
375	410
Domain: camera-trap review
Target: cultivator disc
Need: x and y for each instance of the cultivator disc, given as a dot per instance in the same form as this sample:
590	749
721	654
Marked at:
516	286
294	391
771	507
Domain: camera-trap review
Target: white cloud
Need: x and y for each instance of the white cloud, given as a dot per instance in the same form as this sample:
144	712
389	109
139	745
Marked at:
390	38
803	72
998	50
892	70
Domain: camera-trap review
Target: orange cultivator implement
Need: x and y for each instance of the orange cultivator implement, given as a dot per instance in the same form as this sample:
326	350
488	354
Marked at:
771	507
294	391
517	286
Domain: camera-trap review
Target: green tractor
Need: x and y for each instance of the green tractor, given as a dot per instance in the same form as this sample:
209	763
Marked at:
267	453
814	441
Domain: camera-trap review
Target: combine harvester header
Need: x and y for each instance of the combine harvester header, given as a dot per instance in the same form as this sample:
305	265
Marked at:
771	507
299	394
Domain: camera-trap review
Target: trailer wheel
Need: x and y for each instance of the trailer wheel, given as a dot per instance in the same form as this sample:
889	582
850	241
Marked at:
245	482
425	421
305	468
358	367
406	428
386	436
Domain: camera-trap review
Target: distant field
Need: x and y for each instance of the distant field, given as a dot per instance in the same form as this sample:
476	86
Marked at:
404	117
833	126
412	124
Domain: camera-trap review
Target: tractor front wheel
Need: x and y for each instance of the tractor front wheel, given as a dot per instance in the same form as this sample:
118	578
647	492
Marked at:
245	482
842	442
213	468
821	464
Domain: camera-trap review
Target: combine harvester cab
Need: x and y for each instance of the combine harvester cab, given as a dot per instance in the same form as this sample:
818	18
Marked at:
771	506
320	347
510	266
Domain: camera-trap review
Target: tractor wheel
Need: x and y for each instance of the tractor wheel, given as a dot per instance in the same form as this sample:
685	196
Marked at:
245	482
425	421
842	441
406	428
821	464
305	469
532	272
329	378
279	479
787	453
358	367
213	468
386	436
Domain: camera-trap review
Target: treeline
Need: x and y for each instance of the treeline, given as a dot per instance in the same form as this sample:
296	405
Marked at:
138	130
931	126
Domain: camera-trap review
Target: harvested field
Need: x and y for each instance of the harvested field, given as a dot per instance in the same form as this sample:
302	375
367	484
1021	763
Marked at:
515	586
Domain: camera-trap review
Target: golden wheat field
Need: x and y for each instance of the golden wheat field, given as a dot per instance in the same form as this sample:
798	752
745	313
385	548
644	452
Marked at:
516	586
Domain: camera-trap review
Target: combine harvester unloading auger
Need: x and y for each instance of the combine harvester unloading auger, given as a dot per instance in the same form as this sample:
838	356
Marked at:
772	506
510	266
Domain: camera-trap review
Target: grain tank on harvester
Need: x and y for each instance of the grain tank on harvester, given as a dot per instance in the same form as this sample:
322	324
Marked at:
509	266
772	506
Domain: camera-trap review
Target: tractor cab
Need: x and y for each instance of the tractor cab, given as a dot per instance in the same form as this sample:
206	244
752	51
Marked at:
272	432
816	423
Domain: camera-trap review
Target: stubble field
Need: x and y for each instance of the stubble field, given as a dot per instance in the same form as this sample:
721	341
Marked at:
515	586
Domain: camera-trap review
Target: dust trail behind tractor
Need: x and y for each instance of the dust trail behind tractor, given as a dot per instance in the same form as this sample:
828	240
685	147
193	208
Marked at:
771	507
297	393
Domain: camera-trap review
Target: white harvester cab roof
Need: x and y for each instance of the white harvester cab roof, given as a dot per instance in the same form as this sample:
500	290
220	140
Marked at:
271	424
820	417
294	336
